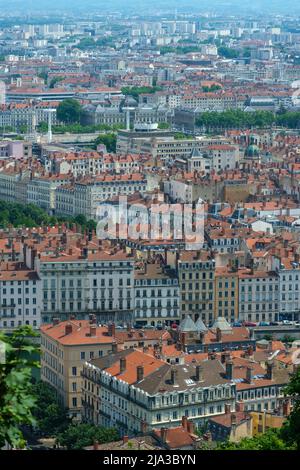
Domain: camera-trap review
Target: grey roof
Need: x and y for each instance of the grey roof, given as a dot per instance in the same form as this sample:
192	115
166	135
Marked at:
187	324
159	380
200	325
222	324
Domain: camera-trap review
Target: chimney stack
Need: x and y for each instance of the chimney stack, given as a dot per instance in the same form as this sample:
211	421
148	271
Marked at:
233	420
174	376
240	406
249	373
184	422
270	366
140	373
122	365
225	356
199	373
229	369
190	427
93	330
114	348
218	335
55	321
68	329
125	439
286	408
227	408
111	329
163	434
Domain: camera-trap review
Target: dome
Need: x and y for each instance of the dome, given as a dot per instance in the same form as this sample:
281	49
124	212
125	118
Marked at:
222	324
252	151
187	325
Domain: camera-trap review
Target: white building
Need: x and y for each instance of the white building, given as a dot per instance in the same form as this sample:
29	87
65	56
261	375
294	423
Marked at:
156	295
20	297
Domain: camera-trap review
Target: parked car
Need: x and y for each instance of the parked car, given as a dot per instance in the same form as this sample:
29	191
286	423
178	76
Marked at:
236	324
249	323
263	323
274	323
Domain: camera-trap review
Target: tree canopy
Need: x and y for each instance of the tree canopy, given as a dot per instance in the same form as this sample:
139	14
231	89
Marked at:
68	111
78	436
51	417
17	401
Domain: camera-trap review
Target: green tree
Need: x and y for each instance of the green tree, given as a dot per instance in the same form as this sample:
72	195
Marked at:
78	436
51	417
270	440
69	111
17	401
163	125
109	140
291	429
227	52
55	80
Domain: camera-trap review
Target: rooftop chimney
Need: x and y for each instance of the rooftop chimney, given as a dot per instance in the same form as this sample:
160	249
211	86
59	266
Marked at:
227	408
140	373
55	321
270	366
286	408
249	374
174	376
122	365
184	422
229	369
199	373
111	329
125	439
114	348
93	330
218	335
68	329
163	434
240	406
225	356
190	427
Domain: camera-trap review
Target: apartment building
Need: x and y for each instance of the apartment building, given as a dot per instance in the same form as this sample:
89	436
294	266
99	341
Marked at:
156	295
136	392
226	293
20	296
258	295
85	281
196	273
41	190
289	295
64	348
85	195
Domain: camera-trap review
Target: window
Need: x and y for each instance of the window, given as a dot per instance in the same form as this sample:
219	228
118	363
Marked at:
74	402
74	370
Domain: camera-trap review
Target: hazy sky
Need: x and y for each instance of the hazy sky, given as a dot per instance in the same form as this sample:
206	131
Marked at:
230	6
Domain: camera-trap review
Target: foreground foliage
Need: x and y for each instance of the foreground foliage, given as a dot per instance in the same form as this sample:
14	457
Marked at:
17	401
77	436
